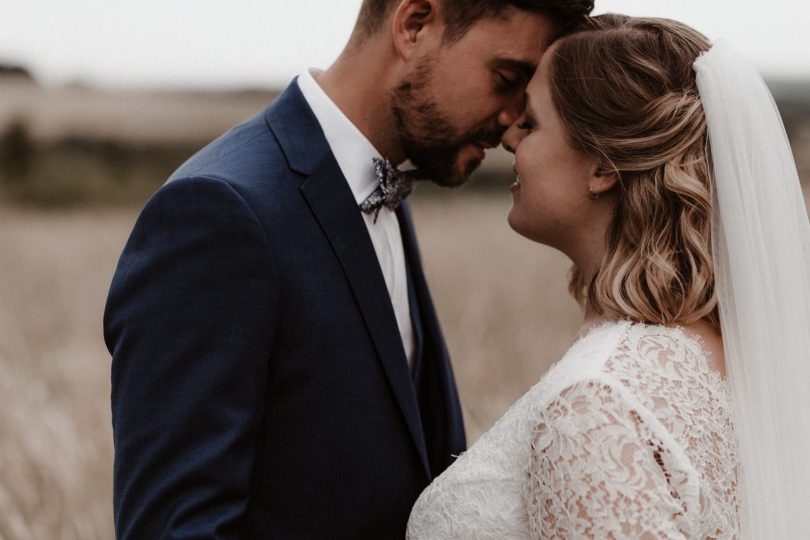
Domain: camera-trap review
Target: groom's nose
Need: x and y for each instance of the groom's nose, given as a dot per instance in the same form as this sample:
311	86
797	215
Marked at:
511	138
512	110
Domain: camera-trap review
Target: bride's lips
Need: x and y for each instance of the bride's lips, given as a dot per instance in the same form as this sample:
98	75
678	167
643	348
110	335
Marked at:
516	184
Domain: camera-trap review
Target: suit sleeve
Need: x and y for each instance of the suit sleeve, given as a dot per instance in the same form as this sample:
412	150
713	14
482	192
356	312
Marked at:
189	322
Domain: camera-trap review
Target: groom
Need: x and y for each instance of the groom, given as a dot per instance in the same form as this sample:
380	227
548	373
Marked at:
278	369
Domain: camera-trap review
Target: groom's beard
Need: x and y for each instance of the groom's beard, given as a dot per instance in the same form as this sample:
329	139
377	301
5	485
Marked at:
428	138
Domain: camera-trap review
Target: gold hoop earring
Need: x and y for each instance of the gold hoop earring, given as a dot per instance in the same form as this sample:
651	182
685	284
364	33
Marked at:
593	196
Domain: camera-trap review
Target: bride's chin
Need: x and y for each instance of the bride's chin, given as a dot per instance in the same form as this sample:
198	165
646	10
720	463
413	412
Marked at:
515	223
526	229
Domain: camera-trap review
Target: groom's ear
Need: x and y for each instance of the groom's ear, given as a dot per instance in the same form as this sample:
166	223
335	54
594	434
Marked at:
416	27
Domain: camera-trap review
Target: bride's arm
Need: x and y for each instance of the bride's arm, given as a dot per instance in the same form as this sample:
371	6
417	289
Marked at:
598	470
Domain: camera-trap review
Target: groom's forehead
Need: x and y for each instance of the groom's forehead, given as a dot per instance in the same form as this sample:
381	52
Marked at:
519	39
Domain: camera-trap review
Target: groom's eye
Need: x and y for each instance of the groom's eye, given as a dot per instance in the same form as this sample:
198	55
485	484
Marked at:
504	83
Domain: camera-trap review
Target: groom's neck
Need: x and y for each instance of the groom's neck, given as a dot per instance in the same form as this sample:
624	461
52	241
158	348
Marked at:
359	82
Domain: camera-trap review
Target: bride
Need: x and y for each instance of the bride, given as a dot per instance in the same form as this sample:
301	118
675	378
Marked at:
657	162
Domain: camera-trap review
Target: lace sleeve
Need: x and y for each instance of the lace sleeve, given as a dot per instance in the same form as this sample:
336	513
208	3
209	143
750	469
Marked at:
598	470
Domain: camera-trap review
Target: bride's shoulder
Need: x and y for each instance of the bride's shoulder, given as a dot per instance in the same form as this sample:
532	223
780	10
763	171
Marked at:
631	355
658	374
662	351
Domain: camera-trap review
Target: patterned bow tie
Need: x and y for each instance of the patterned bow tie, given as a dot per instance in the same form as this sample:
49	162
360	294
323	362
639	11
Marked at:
394	186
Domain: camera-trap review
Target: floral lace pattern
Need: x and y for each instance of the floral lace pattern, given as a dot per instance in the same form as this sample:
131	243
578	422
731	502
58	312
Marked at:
630	435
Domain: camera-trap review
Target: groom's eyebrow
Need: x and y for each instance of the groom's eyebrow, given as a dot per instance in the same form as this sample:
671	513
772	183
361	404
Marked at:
524	67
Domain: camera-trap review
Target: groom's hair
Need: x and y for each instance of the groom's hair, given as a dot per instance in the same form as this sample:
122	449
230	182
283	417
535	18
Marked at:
461	15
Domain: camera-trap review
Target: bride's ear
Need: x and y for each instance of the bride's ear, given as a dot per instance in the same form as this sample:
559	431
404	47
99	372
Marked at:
415	27
602	179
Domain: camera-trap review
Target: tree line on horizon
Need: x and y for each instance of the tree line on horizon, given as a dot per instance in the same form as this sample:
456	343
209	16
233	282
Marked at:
75	170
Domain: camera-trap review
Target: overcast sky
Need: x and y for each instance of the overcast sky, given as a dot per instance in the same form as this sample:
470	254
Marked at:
200	43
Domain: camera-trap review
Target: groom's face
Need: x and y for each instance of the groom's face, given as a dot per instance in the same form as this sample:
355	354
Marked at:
459	98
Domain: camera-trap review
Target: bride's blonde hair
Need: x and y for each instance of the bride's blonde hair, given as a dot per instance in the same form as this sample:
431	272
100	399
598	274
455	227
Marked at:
625	89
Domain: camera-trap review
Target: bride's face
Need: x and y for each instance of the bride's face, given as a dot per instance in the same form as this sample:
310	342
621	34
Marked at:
550	194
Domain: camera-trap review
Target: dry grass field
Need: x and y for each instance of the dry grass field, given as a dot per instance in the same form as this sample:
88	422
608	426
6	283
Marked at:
501	299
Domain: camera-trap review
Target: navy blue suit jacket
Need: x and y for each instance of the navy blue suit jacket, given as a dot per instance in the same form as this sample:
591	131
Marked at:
259	384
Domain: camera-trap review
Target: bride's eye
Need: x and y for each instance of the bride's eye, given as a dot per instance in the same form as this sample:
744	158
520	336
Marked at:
526	124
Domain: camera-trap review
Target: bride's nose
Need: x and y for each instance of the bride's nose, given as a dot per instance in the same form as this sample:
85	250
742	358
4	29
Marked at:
513	135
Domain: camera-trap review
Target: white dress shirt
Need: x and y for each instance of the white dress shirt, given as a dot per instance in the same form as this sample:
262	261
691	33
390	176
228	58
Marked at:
354	153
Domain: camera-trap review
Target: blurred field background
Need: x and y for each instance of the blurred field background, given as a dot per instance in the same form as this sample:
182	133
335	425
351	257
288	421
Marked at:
76	165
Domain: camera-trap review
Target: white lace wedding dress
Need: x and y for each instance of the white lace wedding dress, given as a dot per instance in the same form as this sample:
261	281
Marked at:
630	435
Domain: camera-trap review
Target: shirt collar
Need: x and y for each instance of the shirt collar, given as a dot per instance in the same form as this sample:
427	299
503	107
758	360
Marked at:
352	150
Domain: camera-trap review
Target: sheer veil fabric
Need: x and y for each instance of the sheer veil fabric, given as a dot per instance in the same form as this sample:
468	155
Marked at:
761	250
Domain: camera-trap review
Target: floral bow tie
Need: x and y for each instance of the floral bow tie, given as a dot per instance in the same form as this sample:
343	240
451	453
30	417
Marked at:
394	186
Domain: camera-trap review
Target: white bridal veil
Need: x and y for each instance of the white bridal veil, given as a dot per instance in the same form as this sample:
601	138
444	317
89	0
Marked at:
761	243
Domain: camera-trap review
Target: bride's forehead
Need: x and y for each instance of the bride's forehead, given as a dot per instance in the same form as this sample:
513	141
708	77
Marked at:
539	83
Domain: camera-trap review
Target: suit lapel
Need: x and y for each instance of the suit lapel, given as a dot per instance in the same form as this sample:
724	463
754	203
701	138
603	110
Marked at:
329	197
442	420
